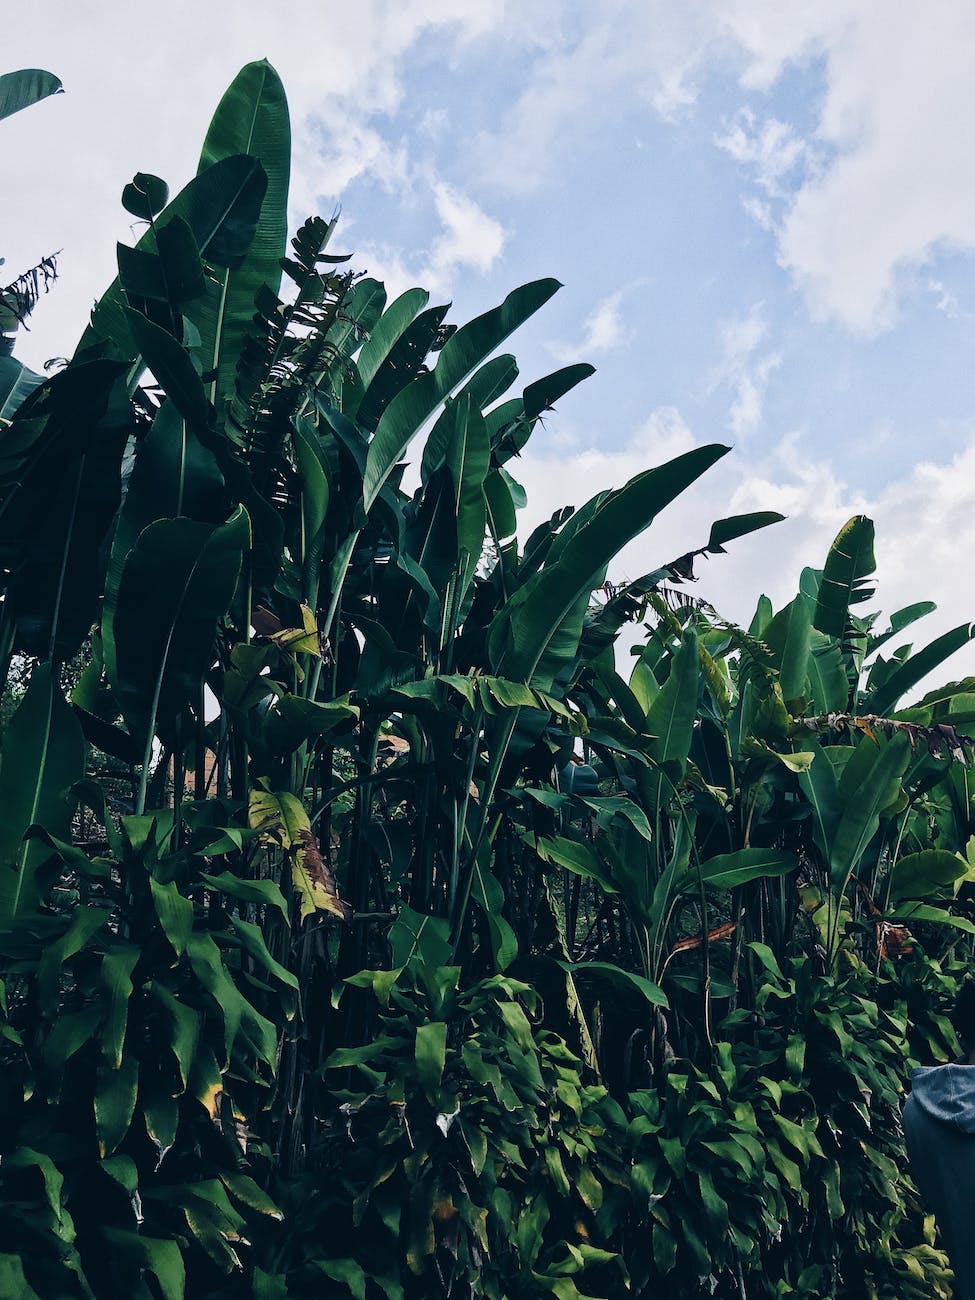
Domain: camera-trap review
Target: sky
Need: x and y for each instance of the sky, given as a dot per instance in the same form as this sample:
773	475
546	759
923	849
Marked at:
763	217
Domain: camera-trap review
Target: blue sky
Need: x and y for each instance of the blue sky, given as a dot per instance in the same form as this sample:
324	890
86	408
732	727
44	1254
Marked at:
763	216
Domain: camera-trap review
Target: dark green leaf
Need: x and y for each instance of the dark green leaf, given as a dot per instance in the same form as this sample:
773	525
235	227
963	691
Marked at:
145	196
159	630
25	87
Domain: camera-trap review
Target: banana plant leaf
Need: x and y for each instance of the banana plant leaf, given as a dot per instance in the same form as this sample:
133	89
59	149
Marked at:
615	975
159	627
670	719
16	381
526	629
461	355
849	564
483	388
468	456
870	783
221	206
43	756
510	423
251	119
27	86
887	696
789	636
57	502
728	870
920	875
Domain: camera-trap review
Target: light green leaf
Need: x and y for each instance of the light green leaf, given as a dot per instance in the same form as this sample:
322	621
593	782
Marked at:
919	875
615	974
430	1052
727	870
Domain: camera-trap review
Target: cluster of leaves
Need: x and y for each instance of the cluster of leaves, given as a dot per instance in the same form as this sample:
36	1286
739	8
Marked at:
411	948
462	1140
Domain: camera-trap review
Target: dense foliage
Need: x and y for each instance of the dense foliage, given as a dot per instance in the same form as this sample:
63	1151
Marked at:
365	929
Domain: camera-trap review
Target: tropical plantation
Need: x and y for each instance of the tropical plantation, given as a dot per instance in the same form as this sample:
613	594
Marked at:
371	924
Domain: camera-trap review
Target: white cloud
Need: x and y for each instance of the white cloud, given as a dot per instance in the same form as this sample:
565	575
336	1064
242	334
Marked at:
897	81
945	301
602	331
878	188
66	160
588	65
770	147
469	237
744	370
851	231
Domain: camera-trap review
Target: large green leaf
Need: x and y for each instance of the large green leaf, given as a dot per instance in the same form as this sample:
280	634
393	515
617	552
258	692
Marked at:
59	504
727	530
484	387
252	119
463	352
160	1257
525	629
829	687
387	332
900	621
117	967
159	628
311	457
468	457
616	975
510	423
43	756
16	381
430	1055
870	783
25	87
670	720
789	636
115	1097
728	870
887	696
174	474
221	207
919	875
849	563
818	783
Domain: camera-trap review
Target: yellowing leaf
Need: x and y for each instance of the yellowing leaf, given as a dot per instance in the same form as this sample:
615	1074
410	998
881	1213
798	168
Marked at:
303	639
281	817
